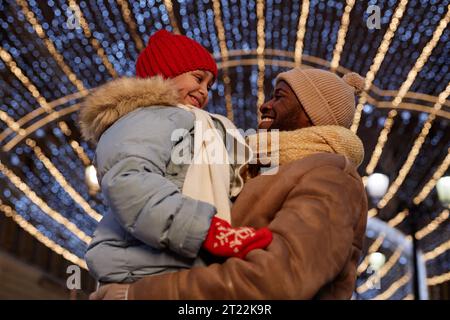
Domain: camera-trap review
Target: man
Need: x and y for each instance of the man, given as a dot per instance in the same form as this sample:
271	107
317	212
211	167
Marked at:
315	205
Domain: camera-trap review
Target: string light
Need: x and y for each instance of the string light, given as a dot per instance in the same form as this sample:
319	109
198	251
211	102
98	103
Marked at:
406	167
42	101
409	296
94	42
32	115
398	218
260	52
379	57
173	21
277	54
42	205
440	171
39	124
224	55
372	213
126	13
11	123
410	107
80	152
49	243
433	281
433	225
374	247
24	79
301	30
381	273
437	251
426	52
389	292
50	46
345	21
62	181
58	176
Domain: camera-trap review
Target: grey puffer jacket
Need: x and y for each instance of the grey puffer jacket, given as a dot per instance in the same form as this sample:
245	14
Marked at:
151	227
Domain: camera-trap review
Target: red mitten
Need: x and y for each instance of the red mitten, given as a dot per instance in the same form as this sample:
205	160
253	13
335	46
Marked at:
225	241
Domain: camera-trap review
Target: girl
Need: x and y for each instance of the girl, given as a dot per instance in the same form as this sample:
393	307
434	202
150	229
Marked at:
152	226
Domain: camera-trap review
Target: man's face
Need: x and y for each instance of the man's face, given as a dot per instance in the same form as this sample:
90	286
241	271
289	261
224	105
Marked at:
283	111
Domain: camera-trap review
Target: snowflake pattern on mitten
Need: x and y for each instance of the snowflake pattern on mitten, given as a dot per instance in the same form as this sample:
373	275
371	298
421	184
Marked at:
233	236
225	241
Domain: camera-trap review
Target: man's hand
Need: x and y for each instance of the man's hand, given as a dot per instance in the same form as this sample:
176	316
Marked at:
114	291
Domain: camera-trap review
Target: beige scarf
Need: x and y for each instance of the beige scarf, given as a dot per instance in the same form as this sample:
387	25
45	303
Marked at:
298	144
208	176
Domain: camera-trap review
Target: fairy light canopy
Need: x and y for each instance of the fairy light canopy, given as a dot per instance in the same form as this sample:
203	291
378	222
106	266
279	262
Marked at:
53	52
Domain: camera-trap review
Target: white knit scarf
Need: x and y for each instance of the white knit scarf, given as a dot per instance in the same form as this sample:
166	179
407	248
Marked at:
208	176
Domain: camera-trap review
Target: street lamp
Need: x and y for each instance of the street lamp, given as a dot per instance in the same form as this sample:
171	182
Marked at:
443	190
91	179
377	185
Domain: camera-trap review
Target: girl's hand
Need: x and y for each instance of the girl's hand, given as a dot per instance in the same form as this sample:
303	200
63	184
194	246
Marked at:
114	291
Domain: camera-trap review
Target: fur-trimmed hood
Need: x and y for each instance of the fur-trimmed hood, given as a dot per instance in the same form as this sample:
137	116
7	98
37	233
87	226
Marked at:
111	101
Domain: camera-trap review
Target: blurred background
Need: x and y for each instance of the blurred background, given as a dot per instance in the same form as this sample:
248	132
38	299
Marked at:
53	52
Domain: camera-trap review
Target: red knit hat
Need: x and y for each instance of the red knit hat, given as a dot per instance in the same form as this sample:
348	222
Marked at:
170	55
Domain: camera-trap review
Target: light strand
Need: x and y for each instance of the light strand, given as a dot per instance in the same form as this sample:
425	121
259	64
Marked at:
418	143
395	221
95	43
173	22
126	13
45	106
409	296
433	225
420	62
260	52
39	124
373	248
50	46
433	281
443	247
389	292
440	171
301	30
34	232
24	79
224	54
372	213
380	273
342	33
62	181
376	64
43	205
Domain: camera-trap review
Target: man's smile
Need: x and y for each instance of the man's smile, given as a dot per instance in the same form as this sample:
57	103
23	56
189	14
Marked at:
266	121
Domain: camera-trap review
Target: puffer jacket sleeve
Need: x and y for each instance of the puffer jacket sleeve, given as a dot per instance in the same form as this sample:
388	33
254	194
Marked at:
135	153
313	232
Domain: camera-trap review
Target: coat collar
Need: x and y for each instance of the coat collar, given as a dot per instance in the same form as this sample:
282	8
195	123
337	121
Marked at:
111	101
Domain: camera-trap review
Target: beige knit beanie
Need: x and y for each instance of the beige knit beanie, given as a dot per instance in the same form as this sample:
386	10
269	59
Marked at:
326	98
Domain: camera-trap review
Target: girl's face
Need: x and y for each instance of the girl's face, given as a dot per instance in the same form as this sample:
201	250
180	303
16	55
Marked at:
193	87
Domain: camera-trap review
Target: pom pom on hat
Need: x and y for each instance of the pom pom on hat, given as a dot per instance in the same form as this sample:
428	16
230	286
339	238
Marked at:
354	80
